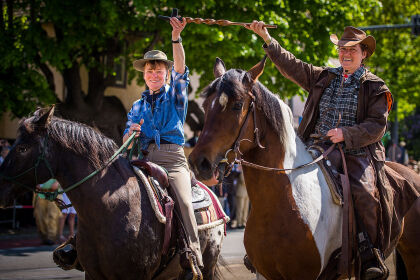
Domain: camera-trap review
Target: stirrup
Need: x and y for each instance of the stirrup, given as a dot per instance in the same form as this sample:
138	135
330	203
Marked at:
188	262
376	268
195	269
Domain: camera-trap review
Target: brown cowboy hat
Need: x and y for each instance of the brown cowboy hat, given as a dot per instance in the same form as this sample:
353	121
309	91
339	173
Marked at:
353	36
149	56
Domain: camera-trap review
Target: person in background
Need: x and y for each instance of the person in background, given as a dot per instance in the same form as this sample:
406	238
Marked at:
230	188
46	214
69	214
394	152
403	159
242	200
4	151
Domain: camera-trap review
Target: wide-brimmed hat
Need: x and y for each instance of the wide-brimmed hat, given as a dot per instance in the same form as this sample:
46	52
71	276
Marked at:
353	36
149	56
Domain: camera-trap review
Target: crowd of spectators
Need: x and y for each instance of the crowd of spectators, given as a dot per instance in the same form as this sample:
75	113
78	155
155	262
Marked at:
4	149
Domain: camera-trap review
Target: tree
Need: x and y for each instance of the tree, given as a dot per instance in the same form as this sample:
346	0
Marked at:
96	34
410	130
396	58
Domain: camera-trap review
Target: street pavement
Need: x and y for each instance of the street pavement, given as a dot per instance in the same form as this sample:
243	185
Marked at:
23	257
27	258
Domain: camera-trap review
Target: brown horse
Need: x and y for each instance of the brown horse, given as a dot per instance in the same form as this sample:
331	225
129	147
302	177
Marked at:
119	236
293	227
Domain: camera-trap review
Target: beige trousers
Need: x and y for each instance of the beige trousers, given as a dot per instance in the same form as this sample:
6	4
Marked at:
172	158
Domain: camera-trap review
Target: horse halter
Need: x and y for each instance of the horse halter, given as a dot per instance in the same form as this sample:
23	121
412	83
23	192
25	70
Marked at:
236	145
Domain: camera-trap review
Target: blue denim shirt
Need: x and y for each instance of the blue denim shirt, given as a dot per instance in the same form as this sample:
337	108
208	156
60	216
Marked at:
168	116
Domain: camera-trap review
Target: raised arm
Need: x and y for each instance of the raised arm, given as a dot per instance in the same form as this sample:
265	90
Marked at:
301	73
259	29
178	49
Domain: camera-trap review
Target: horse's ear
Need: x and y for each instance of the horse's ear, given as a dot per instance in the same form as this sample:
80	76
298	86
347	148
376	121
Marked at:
219	68
256	71
44	119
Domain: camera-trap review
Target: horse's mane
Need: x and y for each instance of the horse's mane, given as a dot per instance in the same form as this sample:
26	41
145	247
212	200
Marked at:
81	139
271	105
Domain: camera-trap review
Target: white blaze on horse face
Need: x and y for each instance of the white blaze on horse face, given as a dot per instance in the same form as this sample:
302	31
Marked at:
311	193
223	100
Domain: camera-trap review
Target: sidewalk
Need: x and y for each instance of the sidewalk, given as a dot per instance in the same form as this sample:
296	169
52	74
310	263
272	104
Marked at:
22	237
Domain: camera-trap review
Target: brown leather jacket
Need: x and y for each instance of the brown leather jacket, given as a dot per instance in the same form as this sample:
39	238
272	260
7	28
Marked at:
373	102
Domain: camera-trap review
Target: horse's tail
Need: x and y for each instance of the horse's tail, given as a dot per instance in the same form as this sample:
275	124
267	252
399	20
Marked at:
221	264
400	270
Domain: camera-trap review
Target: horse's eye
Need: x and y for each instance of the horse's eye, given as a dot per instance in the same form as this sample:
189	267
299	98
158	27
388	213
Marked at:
21	148
237	106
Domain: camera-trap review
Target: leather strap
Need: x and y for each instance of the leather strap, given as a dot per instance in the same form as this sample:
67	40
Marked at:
348	220
169	207
324	155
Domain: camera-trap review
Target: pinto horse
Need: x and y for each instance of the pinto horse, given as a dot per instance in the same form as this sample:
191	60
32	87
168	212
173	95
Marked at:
293	226
119	236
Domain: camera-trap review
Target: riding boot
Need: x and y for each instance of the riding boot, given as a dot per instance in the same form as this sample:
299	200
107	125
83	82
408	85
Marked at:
192	271
66	258
372	260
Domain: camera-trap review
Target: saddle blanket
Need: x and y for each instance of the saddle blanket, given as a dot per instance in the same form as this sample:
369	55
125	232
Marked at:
207	208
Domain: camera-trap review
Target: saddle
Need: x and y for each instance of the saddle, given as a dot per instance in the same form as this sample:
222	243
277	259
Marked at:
331	167
153	170
158	176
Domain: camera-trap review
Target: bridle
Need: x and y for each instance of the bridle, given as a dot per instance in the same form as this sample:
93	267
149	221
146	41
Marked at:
52	195
224	172
235	148
40	159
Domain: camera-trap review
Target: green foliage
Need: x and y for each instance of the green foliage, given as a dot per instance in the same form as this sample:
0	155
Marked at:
22	87
396	59
84	32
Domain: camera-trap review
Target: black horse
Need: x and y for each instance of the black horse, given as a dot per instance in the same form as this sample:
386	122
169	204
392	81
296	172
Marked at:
119	236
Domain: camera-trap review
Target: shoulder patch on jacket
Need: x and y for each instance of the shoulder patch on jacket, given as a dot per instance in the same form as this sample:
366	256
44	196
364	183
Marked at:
389	100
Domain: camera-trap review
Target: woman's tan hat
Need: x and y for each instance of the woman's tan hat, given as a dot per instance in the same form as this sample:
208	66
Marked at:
152	55
353	36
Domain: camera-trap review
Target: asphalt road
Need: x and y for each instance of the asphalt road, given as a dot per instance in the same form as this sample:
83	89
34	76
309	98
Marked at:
36	262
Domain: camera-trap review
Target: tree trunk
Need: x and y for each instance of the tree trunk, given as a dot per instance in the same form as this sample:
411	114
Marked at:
105	113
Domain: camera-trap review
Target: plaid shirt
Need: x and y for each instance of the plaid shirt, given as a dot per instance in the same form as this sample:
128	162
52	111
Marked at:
337	100
166	121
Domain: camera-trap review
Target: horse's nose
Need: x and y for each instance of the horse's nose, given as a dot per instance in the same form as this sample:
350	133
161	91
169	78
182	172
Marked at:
201	167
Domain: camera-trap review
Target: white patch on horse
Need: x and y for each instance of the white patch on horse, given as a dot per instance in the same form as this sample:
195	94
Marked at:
223	100
311	193
211	237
